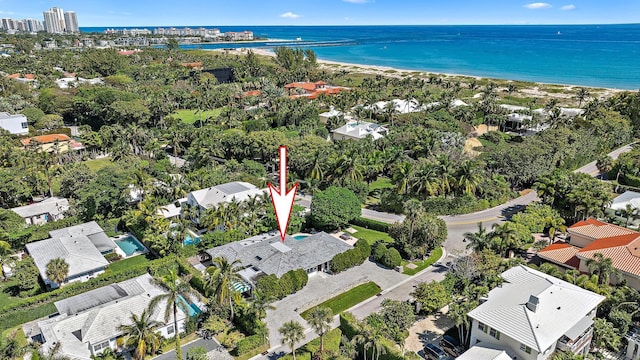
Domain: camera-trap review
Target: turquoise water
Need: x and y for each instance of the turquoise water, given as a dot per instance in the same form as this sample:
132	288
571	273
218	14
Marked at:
300	237
192	308
190	240
590	55
130	245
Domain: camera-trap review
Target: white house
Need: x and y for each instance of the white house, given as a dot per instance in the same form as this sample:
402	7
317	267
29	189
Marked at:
531	315
90	322
67	82
356	130
212	197
42	212
631	198
15	124
81	246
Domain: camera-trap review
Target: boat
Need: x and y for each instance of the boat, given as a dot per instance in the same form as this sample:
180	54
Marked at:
299	39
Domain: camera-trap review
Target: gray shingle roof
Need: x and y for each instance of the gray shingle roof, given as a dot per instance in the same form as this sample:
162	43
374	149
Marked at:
561	306
100	296
54	206
267	253
91	230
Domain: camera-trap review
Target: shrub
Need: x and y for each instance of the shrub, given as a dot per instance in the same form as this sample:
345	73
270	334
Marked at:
371	224
248	343
391	258
351	258
289	283
111	257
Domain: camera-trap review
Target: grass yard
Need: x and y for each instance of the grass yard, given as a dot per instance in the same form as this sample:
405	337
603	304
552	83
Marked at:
97	164
5	296
190	116
381	183
371	236
127	263
348	299
423	264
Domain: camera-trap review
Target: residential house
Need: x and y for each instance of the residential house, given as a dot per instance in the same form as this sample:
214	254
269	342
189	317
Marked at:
73	81
88	323
212	197
42	212
590	237
266	254
633	344
523	124
532	315
356	130
311	90
81	246
617	211
29	79
172	210
58	143
15	124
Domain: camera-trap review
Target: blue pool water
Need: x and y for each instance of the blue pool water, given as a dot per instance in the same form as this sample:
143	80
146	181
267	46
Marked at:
192	308
130	245
300	237
191	240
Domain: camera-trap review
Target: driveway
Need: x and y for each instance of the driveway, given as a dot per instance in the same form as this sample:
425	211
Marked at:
210	345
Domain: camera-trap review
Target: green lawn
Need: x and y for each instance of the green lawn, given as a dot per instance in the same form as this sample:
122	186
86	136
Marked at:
190	116
349	298
371	236
97	164
423	264
5	297
381	183
126	263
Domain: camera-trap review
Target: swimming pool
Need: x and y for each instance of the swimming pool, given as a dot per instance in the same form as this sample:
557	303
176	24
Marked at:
130	245
191	240
192	308
300	236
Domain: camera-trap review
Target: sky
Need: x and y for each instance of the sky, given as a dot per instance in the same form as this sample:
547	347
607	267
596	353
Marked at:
330	12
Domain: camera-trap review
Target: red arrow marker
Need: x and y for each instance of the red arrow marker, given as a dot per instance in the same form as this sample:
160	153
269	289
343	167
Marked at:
281	199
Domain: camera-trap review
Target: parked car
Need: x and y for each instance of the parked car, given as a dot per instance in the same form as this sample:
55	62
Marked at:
433	352
451	346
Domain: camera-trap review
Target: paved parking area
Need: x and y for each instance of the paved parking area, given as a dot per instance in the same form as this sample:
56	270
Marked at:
322	287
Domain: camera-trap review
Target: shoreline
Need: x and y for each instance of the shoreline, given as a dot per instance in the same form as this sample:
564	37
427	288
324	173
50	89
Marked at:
603	92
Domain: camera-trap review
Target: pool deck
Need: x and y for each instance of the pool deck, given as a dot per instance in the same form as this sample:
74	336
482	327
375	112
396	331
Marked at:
121	252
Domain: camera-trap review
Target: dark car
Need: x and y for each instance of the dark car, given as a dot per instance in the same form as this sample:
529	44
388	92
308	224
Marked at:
451	346
433	352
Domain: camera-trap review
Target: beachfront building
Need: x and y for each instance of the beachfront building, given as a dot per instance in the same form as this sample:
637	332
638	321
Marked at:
590	237
48	210
266	254
356	130
81	246
212	197
532	315
238	36
57	143
15	124
89	323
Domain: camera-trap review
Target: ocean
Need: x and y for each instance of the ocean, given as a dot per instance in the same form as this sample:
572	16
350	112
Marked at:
586	55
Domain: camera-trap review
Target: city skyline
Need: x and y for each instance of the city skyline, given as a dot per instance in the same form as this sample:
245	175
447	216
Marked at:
119	13
54	20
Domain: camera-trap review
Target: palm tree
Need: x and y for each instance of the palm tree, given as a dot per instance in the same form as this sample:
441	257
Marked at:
177	294
601	266
320	319
349	348
505	237
292	333
10	347
604	164
222	276
57	270
413	210
478	240
142	335
629	212
581	95
468	177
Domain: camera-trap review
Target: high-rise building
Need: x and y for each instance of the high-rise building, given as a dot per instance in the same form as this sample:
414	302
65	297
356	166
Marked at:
33	25
54	20
71	22
7	24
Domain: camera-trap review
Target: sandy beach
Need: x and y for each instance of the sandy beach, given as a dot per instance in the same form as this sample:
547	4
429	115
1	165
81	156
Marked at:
537	89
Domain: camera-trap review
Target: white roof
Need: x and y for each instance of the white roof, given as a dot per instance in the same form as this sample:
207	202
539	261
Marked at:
628	197
54	206
74	331
561	307
171	210
513	107
360	130
233	191
330	113
479	352
78	251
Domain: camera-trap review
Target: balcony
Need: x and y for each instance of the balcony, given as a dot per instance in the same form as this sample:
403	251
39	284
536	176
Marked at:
567	345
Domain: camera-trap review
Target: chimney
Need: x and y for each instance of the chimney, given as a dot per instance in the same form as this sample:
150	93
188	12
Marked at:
533	303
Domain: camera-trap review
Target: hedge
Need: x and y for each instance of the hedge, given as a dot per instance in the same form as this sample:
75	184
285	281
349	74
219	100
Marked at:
35	307
371	224
248	343
278	288
352	257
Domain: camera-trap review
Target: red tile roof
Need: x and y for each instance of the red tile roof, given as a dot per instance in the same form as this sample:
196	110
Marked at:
192	64
561	253
301	85
29	76
252	93
596	229
45	139
13	76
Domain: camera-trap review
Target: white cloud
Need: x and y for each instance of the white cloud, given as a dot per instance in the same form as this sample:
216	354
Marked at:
356	1
538	5
290	15
568	7
6	12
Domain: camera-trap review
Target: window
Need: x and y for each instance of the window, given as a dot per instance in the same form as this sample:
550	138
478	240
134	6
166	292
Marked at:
24	125
525	348
495	333
482	327
102	345
170	330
